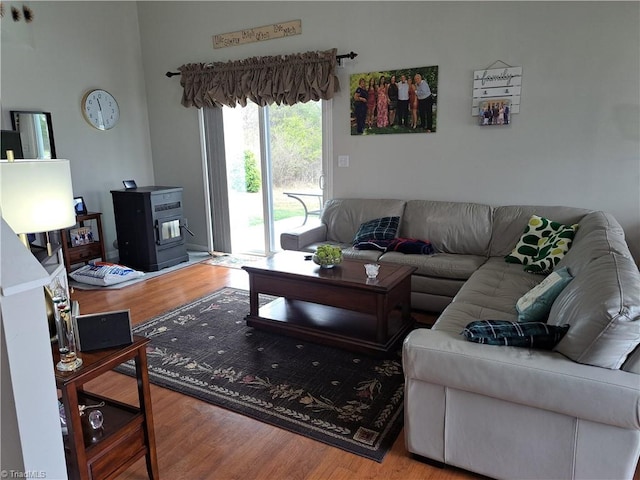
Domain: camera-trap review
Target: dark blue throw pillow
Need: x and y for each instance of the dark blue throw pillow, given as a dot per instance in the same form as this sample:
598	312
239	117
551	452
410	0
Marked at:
384	228
516	334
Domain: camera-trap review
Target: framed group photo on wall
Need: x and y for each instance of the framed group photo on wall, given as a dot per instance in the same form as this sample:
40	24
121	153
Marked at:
494	112
394	101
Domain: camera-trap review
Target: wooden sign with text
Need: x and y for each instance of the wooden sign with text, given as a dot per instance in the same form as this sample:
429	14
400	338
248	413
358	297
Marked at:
258	34
495	84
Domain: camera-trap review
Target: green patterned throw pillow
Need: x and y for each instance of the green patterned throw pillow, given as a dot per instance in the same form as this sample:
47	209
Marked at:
551	250
542	233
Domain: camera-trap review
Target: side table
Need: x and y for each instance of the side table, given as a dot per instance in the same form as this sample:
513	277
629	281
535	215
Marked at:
88	251
127	433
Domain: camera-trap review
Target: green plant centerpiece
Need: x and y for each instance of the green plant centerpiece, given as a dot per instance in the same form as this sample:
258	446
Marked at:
327	256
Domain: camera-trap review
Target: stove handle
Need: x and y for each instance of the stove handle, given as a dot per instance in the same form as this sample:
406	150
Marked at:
190	232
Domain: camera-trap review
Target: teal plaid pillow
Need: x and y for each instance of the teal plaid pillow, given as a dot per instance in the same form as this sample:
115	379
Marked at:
515	334
384	228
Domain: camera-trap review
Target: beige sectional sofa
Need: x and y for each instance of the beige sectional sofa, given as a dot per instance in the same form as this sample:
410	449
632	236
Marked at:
510	412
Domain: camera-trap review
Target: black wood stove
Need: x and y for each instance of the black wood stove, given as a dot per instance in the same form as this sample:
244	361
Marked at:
149	225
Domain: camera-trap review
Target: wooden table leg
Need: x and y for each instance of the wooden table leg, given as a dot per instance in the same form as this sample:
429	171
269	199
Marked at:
381	320
144	397
253	298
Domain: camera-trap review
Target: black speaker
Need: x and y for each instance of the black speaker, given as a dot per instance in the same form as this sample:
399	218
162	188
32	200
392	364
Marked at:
103	330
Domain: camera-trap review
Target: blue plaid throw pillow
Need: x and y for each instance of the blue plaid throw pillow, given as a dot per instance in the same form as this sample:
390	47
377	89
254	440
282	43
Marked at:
384	228
515	334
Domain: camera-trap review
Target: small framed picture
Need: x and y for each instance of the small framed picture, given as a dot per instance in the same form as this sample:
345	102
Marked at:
79	206
494	112
81	236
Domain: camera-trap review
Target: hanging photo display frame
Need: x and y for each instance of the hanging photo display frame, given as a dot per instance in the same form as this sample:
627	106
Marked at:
394	101
495	88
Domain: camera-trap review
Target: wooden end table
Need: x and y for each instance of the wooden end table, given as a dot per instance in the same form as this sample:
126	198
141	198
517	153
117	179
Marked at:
127	433
337	306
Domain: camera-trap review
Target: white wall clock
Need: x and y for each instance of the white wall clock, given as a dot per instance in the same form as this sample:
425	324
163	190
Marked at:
100	109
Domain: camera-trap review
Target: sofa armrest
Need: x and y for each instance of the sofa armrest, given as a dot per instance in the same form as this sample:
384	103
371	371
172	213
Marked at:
541	379
299	238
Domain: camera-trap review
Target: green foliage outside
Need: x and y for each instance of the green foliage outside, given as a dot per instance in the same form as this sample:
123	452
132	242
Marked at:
295	134
296	144
252	173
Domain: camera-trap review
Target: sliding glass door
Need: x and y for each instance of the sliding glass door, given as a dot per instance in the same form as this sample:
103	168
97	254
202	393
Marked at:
274	170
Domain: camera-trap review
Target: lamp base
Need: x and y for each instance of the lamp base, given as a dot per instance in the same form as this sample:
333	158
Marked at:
69	366
24	240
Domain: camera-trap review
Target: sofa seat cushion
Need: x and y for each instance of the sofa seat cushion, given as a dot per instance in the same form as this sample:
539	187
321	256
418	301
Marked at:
447	287
458	315
445	265
379	245
537	378
602	305
356	254
497	285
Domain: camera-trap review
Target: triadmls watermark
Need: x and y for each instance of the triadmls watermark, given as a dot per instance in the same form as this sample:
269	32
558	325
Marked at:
23	474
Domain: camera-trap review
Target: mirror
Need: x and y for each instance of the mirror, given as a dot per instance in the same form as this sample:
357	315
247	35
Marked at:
36	133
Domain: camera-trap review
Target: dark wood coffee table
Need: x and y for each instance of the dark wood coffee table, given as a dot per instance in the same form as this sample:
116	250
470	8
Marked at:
337	306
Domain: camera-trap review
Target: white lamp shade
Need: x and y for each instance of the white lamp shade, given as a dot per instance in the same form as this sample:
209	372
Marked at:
36	195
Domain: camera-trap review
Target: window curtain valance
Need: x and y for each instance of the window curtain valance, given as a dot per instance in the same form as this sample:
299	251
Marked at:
283	79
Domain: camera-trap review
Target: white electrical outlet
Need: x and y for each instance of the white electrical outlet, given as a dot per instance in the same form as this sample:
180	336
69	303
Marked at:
343	160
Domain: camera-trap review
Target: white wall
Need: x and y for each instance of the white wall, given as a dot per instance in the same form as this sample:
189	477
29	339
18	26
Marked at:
575	142
48	65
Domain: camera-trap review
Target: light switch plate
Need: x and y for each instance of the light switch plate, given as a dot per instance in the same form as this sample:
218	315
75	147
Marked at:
343	160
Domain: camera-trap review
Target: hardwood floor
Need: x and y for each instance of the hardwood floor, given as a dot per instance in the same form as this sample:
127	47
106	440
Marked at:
197	441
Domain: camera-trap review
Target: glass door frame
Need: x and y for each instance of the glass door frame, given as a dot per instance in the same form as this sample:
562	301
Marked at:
212	146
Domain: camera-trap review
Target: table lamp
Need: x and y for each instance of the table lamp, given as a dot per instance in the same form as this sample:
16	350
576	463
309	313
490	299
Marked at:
37	196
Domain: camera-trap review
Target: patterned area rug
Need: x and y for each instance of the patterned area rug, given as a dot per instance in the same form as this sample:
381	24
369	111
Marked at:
205	349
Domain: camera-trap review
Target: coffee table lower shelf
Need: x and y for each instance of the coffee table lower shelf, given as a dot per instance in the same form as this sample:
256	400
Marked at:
331	326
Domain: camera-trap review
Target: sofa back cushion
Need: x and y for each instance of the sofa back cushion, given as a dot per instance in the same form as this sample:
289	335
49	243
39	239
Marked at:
509	223
598	234
343	216
451	227
602	307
